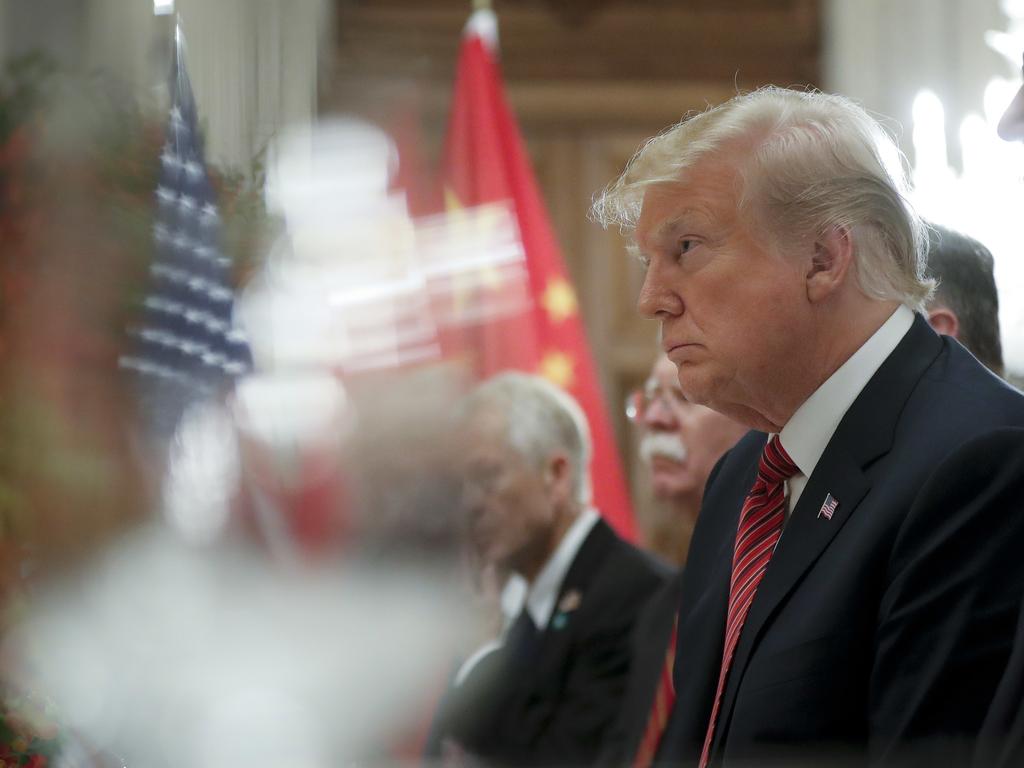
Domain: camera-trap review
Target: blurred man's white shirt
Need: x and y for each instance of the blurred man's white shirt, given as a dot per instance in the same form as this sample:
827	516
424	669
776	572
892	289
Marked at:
539	599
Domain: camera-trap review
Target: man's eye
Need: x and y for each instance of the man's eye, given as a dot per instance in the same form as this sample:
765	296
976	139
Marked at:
686	244
677	396
482	478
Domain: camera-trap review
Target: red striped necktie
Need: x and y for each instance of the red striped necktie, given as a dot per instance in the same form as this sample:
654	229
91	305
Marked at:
661	708
764	512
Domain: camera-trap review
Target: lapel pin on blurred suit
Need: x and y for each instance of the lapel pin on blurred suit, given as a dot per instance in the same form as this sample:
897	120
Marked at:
570	602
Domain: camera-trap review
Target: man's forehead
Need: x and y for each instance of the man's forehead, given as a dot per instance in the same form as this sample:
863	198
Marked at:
709	186
678	218
664	210
485	419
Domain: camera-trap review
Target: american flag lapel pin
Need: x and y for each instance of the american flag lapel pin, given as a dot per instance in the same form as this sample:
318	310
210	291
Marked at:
828	508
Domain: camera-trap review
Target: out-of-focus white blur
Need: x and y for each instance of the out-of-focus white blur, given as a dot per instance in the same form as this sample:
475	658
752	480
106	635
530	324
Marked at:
290	410
983	198
293	428
165	655
296	602
202	474
355	284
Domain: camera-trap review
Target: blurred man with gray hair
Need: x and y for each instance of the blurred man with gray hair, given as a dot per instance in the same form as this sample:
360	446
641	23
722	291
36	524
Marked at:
545	690
856	569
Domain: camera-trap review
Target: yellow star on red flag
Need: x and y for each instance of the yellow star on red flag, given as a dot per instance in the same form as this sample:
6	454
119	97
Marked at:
558	368
484	153
559	300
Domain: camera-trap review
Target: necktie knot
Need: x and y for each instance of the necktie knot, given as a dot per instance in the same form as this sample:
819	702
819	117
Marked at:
776	465
522	637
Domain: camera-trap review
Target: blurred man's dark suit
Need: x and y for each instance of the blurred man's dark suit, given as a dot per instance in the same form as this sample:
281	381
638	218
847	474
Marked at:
880	633
650	640
550	699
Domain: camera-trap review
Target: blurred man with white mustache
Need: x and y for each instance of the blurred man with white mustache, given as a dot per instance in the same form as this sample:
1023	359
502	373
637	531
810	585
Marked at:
680	444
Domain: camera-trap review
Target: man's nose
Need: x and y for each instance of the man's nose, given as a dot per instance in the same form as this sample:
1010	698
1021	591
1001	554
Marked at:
1011	124
471	499
656	297
659	416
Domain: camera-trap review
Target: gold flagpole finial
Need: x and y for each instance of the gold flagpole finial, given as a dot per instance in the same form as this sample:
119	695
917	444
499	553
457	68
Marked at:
481	5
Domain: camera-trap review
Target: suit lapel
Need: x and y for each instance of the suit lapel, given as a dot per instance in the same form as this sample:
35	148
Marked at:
706	595
572	597
864	434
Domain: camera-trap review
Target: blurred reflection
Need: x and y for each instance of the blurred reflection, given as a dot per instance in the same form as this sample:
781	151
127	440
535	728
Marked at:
202	473
280	583
165	655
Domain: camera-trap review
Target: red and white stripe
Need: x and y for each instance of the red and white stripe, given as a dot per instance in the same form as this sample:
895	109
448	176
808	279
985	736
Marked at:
760	527
661	708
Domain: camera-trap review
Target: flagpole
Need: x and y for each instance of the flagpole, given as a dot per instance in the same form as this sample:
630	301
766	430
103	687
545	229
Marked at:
179	41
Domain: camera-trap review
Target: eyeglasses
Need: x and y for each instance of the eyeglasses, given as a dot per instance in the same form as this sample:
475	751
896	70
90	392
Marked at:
641	399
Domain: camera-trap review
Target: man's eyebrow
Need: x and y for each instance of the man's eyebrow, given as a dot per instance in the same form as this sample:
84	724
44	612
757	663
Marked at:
670	225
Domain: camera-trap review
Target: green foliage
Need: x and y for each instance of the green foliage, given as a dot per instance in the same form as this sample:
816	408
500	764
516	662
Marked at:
24	87
79	164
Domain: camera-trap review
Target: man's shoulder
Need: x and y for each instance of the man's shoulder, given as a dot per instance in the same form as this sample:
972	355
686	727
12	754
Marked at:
739	462
625	569
629	560
663	603
957	400
956	374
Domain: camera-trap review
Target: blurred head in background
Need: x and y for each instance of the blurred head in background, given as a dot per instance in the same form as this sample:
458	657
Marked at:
965	304
680	443
523	451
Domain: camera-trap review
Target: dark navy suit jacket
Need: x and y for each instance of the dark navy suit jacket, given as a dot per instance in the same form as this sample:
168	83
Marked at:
650	641
879	634
553	704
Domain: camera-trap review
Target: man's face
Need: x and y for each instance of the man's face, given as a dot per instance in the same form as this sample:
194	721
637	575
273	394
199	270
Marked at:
732	309
1011	125
506	499
681	440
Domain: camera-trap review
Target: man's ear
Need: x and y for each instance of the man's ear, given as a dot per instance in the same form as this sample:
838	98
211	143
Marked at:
558	476
832	259
944	321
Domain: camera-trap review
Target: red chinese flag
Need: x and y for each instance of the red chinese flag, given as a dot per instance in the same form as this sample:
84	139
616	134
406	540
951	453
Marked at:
485	161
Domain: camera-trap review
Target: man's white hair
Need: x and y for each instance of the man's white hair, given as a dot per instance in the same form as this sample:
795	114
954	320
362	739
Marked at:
541	419
808	162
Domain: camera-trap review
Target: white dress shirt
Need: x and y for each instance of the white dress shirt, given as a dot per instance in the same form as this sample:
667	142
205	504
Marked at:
540	596
811	427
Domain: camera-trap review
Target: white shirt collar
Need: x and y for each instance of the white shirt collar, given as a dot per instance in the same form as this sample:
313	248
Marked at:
541	595
812	425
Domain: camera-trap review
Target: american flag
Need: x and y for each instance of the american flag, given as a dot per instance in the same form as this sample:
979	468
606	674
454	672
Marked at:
185	346
828	508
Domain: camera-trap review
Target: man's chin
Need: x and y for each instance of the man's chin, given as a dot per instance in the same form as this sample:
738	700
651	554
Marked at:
671	490
666	469
701	384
